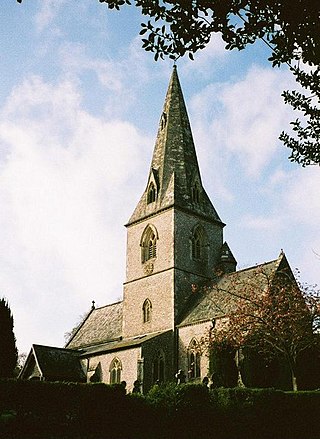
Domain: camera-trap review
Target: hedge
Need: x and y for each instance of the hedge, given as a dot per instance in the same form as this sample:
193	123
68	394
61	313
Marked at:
42	410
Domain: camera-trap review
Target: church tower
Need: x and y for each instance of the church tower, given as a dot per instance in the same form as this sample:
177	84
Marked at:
174	236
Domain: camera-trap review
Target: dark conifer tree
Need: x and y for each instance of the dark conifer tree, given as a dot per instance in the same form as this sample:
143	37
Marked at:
8	349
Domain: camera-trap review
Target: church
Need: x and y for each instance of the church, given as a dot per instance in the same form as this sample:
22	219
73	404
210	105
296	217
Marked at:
176	261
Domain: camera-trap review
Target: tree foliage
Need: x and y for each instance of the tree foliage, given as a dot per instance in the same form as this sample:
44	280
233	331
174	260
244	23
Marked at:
305	143
274	316
9	353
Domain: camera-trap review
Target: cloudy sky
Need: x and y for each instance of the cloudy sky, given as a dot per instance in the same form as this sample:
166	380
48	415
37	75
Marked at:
80	103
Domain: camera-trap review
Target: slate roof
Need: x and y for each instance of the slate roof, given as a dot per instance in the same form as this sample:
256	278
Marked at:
217	301
57	364
102	325
174	166
120	344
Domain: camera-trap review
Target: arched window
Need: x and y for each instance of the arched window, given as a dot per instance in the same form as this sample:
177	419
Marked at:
148	244
194	359
197	244
158	368
146	311
115	371
195	193
151	197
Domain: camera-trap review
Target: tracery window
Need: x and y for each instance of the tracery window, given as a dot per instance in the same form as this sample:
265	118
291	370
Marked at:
151	197
197	244
148	244
115	371
147	311
194	359
158	368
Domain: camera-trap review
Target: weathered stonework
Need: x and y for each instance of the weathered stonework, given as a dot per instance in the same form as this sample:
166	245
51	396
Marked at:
174	248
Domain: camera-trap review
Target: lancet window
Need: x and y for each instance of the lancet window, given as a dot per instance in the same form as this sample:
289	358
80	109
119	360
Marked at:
158	368
194	359
195	193
147	311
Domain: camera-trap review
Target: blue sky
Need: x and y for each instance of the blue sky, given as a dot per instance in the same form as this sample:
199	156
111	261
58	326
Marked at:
80	103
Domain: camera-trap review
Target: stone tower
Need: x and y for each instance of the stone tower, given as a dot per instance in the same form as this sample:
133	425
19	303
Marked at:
174	236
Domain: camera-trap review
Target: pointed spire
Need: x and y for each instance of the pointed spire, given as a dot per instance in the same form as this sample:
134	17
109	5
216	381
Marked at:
174	177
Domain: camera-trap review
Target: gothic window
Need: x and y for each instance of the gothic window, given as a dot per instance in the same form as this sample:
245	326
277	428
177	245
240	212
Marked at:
158	366
197	244
194	359
115	371
195	193
151	197
146	311
148	244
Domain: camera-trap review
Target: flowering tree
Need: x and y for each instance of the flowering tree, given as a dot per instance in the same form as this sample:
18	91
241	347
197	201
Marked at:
271	313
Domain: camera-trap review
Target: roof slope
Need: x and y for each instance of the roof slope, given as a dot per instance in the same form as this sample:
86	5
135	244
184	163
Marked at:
221	298
58	364
174	166
101	325
120	344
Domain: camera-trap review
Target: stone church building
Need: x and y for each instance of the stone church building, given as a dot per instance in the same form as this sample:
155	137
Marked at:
175	247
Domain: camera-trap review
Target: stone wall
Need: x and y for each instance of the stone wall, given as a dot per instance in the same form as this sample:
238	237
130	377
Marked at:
186	334
129	359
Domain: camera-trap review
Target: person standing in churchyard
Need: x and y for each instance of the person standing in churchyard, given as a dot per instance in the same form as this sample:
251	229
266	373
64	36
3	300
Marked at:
180	377
136	387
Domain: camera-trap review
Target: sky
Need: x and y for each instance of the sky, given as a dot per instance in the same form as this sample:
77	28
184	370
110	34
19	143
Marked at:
80	103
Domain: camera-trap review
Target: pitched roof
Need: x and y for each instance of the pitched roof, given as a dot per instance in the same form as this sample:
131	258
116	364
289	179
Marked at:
101	325
56	364
174	167
217	301
120	344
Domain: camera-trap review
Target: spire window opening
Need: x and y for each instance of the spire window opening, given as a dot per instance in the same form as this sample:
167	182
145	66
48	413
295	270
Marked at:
151	197
163	121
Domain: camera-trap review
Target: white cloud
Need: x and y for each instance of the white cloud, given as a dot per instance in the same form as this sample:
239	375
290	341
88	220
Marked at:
65	178
263	223
47	13
207	59
246	116
302	197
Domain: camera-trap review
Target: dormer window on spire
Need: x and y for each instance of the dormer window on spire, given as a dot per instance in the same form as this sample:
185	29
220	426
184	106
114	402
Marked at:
152	193
163	121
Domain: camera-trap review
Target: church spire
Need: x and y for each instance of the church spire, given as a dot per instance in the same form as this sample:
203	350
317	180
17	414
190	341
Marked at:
174	177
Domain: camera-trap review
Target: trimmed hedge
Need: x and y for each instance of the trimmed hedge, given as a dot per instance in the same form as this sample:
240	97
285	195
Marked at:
42	410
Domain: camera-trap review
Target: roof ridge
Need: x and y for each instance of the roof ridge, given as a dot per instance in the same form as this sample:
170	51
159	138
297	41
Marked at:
253	266
108	304
35	345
